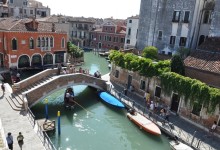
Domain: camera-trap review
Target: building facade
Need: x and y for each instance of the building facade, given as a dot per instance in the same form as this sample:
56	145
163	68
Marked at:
27	9
131	32
174	101
110	36
173	24
26	43
79	31
3	8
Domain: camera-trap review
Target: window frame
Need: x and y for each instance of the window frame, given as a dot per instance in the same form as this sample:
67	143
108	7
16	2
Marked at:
14	47
31	43
176	16
183	41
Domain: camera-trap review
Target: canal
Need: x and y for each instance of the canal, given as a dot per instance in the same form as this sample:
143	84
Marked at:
95	125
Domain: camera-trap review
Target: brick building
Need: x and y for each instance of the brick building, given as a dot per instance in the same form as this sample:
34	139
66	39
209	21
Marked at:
26	43
110	36
204	63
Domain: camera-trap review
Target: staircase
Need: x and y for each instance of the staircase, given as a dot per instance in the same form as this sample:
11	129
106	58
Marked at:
15	100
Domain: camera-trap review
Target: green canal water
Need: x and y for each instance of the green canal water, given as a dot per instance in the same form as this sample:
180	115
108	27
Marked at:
98	126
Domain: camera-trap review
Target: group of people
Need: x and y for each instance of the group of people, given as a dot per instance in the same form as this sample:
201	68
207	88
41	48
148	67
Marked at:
10	142
97	74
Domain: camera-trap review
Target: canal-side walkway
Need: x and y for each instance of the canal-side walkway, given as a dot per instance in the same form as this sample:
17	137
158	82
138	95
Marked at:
188	132
17	121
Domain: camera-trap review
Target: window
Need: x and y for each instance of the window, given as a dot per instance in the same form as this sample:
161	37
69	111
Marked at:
122	40
128	41
142	85
182	41
31	12
110	38
51	41
20	10
31	43
105	38
160	34
157	91
100	37
63	43
129	31
207	17
176	16
38	42
196	108
14	44
43	42
11	1
47	41
130	21
186	17
172	40
116	40
116	73
25	11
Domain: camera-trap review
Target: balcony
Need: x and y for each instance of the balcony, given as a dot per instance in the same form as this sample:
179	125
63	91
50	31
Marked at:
45	48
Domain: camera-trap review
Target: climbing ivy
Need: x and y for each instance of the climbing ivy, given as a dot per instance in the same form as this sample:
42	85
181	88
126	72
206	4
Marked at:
186	87
192	89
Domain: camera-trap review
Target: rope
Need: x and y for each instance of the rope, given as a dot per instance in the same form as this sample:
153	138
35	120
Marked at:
82	107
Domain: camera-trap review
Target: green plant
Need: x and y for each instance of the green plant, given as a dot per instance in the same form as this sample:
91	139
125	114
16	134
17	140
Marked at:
150	52
177	65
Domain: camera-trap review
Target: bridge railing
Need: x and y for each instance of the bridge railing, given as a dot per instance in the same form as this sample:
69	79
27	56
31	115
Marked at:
164	125
42	135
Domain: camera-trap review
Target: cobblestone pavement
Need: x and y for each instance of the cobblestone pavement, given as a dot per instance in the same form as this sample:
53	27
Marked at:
180	122
17	121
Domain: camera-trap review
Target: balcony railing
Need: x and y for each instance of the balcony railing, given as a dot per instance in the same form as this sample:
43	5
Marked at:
45	48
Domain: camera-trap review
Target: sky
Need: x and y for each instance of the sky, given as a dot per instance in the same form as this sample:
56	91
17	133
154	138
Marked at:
118	9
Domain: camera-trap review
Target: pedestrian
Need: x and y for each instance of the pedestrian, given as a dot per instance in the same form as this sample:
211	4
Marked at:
3	87
214	126
20	139
9	140
59	68
167	115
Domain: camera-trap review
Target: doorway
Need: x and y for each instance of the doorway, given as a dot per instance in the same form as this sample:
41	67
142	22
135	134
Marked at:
129	81
175	102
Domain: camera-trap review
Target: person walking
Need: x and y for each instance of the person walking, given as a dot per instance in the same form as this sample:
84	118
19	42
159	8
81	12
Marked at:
20	139
3	87
9	140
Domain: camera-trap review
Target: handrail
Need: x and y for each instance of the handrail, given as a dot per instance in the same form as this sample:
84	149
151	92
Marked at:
185	137
41	134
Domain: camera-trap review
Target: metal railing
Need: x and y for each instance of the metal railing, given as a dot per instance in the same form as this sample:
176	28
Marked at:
41	134
163	124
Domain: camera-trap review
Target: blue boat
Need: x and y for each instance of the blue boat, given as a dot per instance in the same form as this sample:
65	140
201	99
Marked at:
108	98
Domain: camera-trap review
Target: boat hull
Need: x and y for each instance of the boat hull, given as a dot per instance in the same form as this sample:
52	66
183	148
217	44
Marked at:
108	98
144	123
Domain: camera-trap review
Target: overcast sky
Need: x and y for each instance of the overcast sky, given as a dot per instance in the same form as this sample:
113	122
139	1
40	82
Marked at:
118	9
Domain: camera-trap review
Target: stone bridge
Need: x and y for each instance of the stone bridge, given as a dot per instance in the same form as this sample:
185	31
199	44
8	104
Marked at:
31	95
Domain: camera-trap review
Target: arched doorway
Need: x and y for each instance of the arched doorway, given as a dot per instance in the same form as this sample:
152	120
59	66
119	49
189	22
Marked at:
23	61
201	39
48	59
36	61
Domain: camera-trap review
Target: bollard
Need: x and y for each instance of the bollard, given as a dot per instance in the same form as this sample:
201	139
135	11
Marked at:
58	117
46	109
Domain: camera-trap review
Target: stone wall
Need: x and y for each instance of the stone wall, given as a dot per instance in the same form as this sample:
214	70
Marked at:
205	119
209	78
62	81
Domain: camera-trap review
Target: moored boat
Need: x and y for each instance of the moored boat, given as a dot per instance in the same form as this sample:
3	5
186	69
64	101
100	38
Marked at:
144	123
108	98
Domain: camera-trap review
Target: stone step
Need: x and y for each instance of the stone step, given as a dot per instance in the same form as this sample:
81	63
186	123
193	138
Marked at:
13	105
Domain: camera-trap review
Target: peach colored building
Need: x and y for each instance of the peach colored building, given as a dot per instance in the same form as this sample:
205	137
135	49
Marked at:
26	43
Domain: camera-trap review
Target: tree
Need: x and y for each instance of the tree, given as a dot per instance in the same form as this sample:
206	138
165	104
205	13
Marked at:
177	65
183	52
150	52
74	51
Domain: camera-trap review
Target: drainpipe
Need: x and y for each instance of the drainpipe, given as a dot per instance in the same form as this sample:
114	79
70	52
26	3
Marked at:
155	22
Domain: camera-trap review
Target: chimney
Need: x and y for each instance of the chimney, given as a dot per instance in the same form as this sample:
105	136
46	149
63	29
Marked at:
53	27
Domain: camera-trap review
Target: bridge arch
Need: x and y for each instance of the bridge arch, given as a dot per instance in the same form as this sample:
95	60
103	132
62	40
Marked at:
59	82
